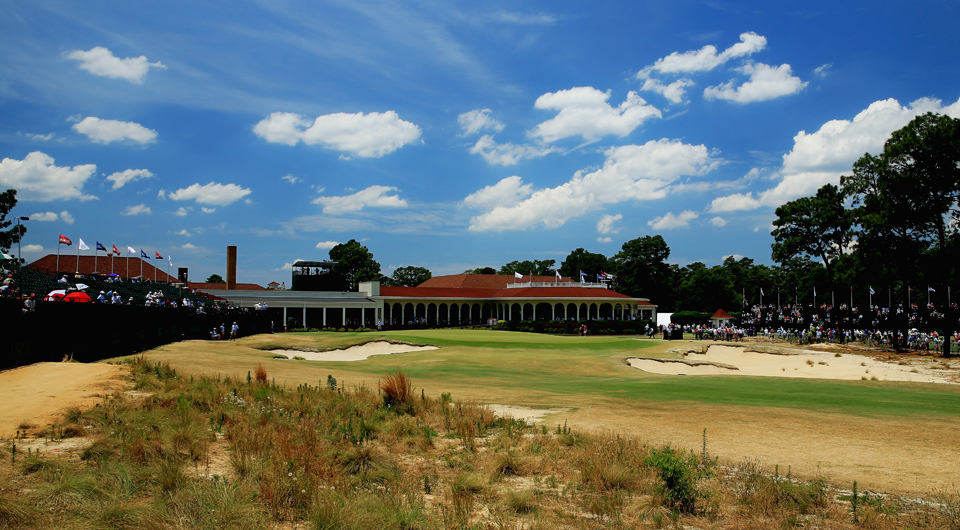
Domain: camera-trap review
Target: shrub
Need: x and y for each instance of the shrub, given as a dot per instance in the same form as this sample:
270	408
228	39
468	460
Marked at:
680	471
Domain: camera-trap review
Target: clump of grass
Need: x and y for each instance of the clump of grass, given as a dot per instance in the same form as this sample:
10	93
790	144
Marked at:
397	390
520	501
809	362
261	374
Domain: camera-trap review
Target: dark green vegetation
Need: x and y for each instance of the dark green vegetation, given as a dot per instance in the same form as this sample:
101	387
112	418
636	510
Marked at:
211	452
9	237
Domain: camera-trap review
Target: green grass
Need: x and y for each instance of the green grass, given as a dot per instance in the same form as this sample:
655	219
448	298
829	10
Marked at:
571	366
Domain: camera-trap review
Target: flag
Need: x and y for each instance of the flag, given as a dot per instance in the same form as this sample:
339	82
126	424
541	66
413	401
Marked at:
158	255
143	254
599	277
170	260
582	274
517	275
101	247
131	250
931	289
872	291
814	291
83	246
116	250
558	274
64	240
761	291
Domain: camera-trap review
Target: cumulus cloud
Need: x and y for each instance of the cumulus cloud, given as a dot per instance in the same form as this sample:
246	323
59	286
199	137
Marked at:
216	194
45	217
718	221
140	209
734	202
766	82
181	212
705	58
188	246
507	154
36	178
66	217
673	221
106	131
32	248
584	111
374	196
604	240
630	172
673	91
822	70
101	61
208	210
184	232
366	135
823	156
475	121
507	192
122	177
39	137
605	224
291	179
327	245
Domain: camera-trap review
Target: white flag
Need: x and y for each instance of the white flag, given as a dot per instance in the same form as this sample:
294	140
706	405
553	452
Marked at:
170	260
517	275
558	275
131	250
928	287
83	246
761	291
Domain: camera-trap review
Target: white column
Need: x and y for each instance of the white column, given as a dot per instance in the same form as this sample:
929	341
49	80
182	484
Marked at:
553	311
343	317
324	317
284	316
304	323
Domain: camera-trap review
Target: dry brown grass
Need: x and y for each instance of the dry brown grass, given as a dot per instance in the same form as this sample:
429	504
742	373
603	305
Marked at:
261	374
397	390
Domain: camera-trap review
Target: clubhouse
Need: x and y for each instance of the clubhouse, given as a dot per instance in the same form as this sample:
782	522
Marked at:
455	300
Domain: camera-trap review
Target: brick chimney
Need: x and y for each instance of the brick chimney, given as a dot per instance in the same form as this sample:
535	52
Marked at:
231	266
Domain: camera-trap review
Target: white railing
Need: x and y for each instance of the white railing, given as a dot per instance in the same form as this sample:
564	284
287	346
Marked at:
520	285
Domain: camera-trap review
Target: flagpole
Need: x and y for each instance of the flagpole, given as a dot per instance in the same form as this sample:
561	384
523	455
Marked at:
141	265
111	257
58	257
96	255
78	258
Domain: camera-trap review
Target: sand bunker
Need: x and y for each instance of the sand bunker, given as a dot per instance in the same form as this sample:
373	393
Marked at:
527	414
355	353
734	360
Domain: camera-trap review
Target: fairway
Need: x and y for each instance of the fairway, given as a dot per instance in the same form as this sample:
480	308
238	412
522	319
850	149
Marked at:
888	436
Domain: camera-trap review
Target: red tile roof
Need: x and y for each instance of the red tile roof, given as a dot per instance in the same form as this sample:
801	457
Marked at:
68	264
240	286
520	292
483	281
559	292
438	292
721	314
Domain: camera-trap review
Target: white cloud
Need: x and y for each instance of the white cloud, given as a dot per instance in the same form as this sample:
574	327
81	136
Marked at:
106	131
208	210
122	177
507	154
140	209
101	61
366	135
705	58
291	179
32	248
605	224
326	245
507	192
673	221
184	232
47	216
475	121
66	217
216	194
182	212
523	19
39	137
823	70
673	92
374	196
733	203
823	156
630	172
584	111
718	221
604	239
36	178
766	82
188	246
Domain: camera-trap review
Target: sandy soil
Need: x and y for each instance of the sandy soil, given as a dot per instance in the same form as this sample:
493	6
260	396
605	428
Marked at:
735	360
38	394
527	414
355	353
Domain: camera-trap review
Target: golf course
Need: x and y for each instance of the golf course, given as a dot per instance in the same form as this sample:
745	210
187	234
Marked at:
890	436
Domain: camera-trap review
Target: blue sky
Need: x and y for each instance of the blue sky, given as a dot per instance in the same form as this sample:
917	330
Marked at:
448	135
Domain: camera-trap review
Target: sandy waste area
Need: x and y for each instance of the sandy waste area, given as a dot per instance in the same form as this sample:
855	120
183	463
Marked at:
528	414
737	360
355	353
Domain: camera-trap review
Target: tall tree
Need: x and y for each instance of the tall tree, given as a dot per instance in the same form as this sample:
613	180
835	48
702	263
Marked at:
589	262
642	270
355	263
818	226
8	238
215	278
481	270
409	276
527	267
703	289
